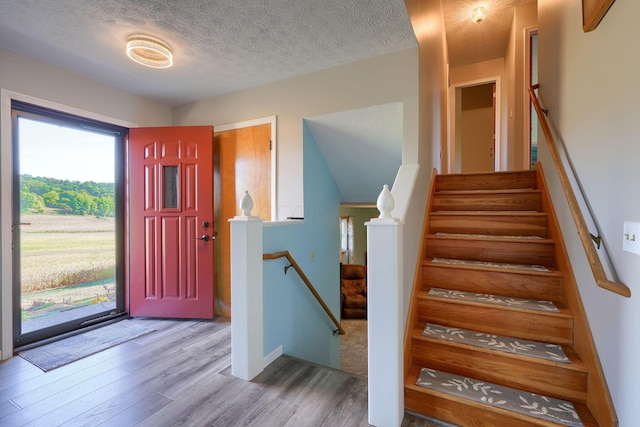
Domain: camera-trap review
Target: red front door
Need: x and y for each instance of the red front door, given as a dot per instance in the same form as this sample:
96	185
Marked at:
171	222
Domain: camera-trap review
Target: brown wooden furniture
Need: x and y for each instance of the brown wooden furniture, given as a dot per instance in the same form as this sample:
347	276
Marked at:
353	291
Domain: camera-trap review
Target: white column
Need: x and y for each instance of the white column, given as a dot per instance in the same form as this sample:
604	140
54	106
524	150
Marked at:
247	333
385	317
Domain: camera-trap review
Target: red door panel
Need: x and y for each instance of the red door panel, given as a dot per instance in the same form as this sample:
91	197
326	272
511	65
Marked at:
171	222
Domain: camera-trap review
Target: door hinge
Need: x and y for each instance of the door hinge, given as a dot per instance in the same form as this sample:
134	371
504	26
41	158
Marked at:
270	145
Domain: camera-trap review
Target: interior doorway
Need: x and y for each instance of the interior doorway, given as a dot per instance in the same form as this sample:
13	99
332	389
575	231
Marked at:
353	251
475	127
531	119
67	223
244	160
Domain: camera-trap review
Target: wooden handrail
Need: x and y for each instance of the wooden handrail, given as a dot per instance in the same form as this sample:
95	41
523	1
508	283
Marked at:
305	279
583	231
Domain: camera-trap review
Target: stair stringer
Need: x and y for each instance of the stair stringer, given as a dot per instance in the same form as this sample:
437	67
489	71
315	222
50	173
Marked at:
599	399
417	283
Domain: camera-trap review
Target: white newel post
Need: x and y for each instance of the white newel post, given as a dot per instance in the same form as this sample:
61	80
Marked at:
384	310
247	352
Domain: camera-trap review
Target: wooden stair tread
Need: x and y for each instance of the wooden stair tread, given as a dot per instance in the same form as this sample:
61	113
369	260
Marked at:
465	409
473	236
487	200
512	281
576	364
489	234
487	192
562	313
491	238
507	179
490	213
523	270
491	249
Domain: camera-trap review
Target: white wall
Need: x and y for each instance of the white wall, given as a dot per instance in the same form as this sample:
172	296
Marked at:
375	81
589	82
478	71
428	25
29	77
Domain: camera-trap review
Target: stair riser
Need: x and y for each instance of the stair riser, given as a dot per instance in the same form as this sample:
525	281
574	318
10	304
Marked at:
536	326
519	252
529	201
492	181
531	375
497	225
465	413
519	285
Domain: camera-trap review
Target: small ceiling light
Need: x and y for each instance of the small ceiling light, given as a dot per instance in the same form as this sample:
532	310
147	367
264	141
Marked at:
479	14
149	51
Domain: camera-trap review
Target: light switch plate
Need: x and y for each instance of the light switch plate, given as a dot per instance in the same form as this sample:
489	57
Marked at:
631	237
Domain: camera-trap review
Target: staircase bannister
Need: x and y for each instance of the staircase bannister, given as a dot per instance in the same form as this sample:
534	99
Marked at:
305	279
583	231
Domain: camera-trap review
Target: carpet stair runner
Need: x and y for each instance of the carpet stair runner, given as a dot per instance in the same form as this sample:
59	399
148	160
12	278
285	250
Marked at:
492	338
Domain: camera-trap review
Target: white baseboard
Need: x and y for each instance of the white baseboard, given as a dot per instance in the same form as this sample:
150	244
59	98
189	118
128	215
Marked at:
271	357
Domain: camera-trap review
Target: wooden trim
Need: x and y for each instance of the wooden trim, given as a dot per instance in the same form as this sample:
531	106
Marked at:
305	279
599	399
497	122
583	231
417	284
273	121
592	13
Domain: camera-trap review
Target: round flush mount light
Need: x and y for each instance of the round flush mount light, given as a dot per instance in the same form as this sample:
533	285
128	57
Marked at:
479	14
149	51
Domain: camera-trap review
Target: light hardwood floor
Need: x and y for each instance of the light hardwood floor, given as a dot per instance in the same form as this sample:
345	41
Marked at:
181	375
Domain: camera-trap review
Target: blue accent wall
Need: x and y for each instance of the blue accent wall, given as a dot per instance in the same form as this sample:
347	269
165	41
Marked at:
292	316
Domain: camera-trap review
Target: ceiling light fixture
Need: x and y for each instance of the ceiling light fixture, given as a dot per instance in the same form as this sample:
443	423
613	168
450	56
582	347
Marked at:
479	14
149	51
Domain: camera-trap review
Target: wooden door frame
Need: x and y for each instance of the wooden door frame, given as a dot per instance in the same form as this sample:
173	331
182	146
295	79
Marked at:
256	122
6	197
528	108
499	153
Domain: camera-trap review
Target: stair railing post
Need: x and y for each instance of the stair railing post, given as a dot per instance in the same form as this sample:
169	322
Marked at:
247	333
385	315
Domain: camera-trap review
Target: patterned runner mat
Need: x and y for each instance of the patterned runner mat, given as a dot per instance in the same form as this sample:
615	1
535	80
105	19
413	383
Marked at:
487	264
490	236
530	304
497	342
547	408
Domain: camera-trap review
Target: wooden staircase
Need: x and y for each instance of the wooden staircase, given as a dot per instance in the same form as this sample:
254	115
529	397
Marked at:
497	226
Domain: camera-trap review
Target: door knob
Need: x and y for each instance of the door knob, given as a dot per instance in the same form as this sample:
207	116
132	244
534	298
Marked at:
204	237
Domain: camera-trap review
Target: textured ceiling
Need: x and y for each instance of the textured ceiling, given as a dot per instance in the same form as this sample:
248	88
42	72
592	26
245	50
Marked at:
219	45
225	45
469	42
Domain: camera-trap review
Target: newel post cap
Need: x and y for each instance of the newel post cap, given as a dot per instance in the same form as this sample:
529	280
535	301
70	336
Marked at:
246	204
385	203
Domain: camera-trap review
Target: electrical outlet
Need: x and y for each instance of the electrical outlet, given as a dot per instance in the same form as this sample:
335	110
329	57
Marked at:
631	237
312	255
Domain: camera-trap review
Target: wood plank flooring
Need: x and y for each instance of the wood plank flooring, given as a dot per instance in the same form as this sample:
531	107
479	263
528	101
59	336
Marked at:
180	375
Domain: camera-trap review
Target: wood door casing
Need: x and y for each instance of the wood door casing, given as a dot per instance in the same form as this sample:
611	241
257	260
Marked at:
171	270
242	163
